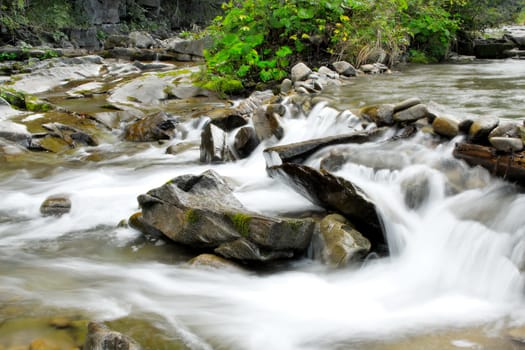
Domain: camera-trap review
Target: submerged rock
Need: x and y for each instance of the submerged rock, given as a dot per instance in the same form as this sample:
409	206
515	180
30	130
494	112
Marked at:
342	243
213	261
100	337
201	211
335	193
56	205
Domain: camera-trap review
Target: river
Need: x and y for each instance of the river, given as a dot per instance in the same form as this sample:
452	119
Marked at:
453	280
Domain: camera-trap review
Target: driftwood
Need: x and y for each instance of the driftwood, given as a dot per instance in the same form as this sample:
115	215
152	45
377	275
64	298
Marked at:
509	166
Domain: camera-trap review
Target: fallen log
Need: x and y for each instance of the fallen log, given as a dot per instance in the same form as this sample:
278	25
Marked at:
509	166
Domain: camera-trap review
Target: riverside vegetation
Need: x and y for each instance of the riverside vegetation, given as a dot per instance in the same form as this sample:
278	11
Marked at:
97	115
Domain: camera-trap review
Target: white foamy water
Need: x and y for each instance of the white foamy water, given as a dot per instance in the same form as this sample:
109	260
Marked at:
455	261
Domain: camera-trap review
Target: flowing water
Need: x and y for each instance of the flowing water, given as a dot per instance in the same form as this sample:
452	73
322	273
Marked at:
454	278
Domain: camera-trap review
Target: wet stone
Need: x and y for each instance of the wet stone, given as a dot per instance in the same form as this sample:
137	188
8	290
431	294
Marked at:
56	205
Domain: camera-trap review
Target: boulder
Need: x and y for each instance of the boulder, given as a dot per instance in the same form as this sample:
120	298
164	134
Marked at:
300	151
300	72
14	132
117	40
406	104
344	68
342	243
201	211
245	141
324	71
506	144
186	46
213	145
381	115
335	193
480	129
85	38
142	40
100	337
153	127
56	205
492	49
446	126
505	129
286	86
227	119
267	124
412	114
70	135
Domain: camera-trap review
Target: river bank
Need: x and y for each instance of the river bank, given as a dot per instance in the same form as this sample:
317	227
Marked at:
114	130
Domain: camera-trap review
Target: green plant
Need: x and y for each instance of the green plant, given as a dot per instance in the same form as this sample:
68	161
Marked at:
8	56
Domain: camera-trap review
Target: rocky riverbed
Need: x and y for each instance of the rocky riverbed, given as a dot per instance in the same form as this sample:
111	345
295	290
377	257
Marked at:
65	115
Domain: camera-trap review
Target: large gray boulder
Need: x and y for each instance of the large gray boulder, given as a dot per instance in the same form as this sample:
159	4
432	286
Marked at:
337	194
100	337
201	211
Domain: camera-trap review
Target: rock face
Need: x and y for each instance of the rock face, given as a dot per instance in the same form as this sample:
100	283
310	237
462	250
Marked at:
101	11
342	243
100	337
335	193
201	211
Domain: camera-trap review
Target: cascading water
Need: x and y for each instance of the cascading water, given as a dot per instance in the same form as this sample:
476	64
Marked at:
456	253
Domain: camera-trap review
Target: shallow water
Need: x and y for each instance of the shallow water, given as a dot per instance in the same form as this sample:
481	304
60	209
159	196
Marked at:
455	267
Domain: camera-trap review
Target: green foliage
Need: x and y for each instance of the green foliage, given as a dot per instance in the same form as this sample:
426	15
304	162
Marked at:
477	15
416	56
431	27
8	56
241	222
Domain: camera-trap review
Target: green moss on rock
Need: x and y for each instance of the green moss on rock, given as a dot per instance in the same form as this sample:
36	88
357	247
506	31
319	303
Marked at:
241	222
191	216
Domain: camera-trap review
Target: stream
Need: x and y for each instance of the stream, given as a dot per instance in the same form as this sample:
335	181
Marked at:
453	280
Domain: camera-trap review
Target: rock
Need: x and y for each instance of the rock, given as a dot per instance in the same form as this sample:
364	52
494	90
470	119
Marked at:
142	40
242	249
153	127
213	145
117	40
267	124
101	11
201	211
300	151
481	128
226	119
187	46
342	242
56	205
70	135
492	49
381	115
300	72
14	132
416	190
137	222
517	39
465	124
375	68
327	72
446	126
517	335
245	141
506	144
286	86
411	102
213	261
100	337
505	129
181	147
335	193
412	114
344	68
